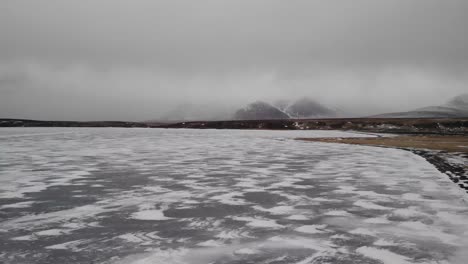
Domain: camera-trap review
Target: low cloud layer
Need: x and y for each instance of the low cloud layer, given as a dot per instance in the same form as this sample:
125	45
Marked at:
137	60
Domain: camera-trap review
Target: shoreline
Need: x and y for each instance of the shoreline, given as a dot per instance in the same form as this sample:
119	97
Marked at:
441	155
415	126
457	173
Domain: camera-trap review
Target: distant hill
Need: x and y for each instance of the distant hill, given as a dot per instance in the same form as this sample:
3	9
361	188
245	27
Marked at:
456	107
8	122
302	108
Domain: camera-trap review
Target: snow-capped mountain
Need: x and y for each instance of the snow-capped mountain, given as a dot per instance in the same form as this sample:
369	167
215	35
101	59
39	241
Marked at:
282	109
259	110
308	108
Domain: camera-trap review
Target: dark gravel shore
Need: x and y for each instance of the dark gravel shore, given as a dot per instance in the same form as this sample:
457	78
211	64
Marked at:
457	172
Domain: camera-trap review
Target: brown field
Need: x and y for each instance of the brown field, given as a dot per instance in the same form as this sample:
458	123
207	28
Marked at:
432	142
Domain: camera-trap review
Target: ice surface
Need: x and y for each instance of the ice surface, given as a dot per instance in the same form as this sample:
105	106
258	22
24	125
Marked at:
109	195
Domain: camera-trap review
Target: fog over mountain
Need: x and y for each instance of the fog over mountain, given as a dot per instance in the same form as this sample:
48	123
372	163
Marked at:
283	109
147	60
455	107
308	108
259	110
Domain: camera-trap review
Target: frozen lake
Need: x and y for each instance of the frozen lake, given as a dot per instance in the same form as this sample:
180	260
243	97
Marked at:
109	195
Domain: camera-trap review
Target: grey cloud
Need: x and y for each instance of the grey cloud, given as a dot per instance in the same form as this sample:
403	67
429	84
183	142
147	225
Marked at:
209	33
115	59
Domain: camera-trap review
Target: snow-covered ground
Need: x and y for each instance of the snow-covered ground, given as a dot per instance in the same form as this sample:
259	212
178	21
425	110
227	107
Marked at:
82	195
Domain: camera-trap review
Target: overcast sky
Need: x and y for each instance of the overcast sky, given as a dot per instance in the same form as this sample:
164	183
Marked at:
136	60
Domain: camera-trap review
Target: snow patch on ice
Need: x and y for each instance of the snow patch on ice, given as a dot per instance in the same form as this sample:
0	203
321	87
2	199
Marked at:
370	205
246	251
362	231
337	213
257	222
383	255
277	210
312	229
298	217
154	215
210	243
18	205
53	232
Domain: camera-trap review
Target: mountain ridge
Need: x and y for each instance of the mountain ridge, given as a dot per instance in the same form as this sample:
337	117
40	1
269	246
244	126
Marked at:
453	108
282	109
